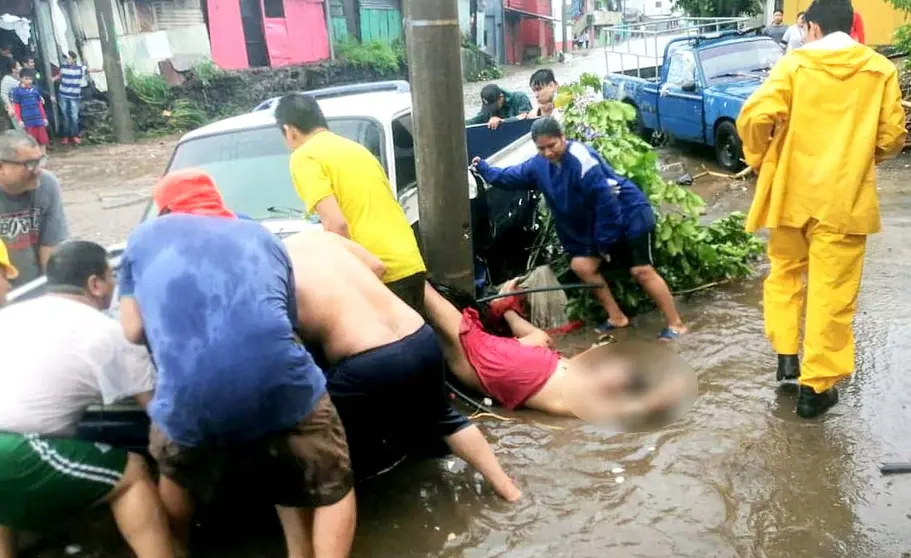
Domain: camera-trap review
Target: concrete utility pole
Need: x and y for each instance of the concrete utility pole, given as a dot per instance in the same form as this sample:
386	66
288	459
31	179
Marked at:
567	25
435	68
113	71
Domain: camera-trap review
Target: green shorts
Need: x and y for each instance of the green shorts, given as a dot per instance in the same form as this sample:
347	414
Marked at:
46	480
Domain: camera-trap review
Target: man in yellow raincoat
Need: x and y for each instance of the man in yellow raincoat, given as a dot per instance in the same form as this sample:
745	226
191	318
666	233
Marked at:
814	132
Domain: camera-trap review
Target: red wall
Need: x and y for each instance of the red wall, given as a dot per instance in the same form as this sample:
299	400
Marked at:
542	7
226	34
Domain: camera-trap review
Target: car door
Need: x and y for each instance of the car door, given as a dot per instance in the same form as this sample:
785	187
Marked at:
680	110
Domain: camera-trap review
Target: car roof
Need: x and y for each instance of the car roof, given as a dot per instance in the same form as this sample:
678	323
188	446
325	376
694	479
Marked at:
380	105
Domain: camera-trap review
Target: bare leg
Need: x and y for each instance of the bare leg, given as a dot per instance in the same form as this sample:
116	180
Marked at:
587	270
656	288
179	505
297	525
139	514
333	528
7	542
526	333
469	444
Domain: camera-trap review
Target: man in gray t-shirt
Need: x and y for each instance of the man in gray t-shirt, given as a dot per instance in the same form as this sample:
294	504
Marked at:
31	211
776	29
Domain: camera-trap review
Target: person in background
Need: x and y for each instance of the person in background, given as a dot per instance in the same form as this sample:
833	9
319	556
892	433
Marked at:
32	222
386	373
71	76
544	85
796	34
857	29
6	51
814	132
776	29
9	70
8	272
61	354
498	105
29	107
600	217
341	181
213	297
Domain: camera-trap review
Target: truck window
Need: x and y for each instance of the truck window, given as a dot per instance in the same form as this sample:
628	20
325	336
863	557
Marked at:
682	69
730	59
403	144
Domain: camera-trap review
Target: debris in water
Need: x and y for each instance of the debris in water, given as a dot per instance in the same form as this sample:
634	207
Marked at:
451	537
487	401
685	180
436	528
651	448
73	549
619	480
617	470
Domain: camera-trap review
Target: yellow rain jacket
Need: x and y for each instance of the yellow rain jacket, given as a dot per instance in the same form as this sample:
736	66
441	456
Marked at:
815	130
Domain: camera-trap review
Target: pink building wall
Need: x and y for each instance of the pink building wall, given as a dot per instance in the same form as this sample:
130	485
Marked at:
226	34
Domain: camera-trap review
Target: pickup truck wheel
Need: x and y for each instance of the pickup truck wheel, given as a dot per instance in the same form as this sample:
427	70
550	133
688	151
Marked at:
638	127
728	150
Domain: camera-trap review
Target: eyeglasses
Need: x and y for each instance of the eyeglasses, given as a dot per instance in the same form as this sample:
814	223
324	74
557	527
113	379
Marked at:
30	165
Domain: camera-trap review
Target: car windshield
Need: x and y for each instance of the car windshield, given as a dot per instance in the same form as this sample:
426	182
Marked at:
250	167
738	58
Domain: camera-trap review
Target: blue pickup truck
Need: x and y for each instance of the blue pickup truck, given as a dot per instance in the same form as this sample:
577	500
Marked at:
697	92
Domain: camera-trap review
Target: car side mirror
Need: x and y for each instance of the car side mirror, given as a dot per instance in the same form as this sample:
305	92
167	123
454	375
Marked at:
688	86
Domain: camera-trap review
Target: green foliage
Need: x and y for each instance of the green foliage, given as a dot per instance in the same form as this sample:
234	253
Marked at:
720	8
689	255
378	55
487	74
206	71
901	5
152	90
901	40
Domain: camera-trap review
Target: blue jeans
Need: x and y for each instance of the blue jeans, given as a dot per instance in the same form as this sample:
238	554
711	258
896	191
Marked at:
70	109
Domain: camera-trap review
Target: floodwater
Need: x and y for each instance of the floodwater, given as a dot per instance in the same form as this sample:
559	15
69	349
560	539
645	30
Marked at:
739	476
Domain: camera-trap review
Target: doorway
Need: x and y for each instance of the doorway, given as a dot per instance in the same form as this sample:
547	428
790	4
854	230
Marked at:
251	17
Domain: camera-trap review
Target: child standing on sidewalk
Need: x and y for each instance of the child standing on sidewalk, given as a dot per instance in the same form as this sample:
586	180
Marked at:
29	106
71	76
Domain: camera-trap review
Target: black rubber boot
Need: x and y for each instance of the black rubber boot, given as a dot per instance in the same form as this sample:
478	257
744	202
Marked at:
788	368
811	404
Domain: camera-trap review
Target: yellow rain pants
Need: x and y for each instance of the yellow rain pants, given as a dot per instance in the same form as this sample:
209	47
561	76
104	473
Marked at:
831	263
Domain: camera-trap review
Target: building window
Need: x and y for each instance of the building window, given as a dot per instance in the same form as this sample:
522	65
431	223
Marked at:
658	5
274	8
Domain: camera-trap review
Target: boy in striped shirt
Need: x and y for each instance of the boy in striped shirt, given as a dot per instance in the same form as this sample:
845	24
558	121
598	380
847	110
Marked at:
29	107
71	76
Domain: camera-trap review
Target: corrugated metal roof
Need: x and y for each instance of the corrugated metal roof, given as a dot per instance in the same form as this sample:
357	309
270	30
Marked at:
169	14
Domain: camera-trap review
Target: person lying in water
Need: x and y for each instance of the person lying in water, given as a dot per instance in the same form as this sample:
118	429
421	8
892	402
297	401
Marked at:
525	371
385	371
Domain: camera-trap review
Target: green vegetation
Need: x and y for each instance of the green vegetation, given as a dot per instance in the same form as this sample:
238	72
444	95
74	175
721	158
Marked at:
719	8
377	55
154	108
690	255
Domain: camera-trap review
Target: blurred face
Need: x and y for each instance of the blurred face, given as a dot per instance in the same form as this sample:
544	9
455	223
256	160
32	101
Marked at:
70	60
777	17
802	23
17	67
101	289
26	82
552	148
544	94
30	63
20	173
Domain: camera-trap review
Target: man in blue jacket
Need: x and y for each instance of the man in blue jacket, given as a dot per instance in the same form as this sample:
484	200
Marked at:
599	216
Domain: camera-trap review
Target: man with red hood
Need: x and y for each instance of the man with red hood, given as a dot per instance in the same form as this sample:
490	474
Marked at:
857	29
213	298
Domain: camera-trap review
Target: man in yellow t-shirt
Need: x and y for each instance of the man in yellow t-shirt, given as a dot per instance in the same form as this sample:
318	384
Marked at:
342	182
7	273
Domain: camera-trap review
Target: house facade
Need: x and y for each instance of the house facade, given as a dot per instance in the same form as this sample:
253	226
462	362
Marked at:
880	18
528	30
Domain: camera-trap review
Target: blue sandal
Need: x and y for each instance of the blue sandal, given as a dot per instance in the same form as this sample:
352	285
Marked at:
668	334
608	327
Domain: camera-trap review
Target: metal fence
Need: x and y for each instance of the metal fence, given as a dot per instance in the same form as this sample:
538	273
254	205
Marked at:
638	46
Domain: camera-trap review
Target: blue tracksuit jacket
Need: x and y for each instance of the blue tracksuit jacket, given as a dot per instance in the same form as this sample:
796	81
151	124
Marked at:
592	206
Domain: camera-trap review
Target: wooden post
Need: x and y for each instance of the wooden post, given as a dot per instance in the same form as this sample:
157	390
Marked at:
434	65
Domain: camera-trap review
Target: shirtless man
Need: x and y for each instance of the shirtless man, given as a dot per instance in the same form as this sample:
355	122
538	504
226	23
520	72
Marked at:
384	368
524	371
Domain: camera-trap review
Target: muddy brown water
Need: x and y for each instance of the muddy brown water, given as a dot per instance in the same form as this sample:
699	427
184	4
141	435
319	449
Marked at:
739	476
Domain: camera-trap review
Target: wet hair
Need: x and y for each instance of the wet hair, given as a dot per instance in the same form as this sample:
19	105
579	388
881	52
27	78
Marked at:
831	15
72	54
74	262
542	77
27	73
546	127
11	141
300	111
801	14
778	11
463	300
490	94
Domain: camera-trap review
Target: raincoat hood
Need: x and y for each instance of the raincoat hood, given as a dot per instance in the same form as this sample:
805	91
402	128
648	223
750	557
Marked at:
840	56
190	191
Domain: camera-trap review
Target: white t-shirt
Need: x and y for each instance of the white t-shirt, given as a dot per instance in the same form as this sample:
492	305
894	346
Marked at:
793	38
58	356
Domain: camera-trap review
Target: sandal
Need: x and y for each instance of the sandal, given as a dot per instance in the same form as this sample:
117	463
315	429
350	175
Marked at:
668	334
